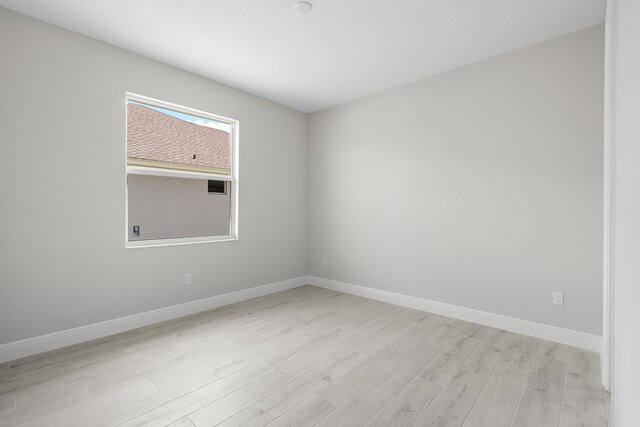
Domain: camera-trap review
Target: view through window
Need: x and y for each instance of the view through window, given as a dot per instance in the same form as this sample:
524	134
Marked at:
181	179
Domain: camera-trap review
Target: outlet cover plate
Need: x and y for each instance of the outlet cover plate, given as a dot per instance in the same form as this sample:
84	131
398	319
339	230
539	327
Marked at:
558	298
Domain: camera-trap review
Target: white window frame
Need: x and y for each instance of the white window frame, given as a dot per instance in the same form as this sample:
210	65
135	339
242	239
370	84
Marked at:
233	177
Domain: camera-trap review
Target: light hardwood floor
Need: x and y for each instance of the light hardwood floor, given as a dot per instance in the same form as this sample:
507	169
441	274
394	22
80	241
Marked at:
307	356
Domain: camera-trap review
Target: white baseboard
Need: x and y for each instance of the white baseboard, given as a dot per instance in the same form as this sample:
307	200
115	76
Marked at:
552	333
30	346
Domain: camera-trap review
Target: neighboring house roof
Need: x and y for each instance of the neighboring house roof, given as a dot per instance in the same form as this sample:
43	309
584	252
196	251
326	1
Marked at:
161	140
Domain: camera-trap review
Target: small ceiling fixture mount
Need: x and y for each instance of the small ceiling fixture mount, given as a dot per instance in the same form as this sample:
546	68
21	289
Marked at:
303	6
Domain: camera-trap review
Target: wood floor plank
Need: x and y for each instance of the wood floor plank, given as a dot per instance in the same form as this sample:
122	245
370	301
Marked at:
134	386
583	399
303	348
39	395
553	350
229	405
339	391
475	330
252	416
306	413
409	313
364	332
445	365
114	409
5	370
246	356
19	415
295	322
541	399
322	353
182	422
409	336
355	314
209	356
454	402
499	399
401	372
296	391
358	409
406	406
352	320
196	399
7	400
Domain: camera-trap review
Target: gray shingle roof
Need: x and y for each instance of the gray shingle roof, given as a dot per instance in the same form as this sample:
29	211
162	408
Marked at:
152	135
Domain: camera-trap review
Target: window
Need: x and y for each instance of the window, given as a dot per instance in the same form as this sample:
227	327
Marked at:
217	187
182	174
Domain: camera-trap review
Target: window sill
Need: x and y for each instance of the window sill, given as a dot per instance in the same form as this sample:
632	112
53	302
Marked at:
141	170
134	244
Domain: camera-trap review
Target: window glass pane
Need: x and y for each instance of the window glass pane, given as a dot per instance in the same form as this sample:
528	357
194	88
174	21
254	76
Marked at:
162	138
166	208
217	187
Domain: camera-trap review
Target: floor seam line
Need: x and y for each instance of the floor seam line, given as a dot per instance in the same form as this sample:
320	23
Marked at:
533	359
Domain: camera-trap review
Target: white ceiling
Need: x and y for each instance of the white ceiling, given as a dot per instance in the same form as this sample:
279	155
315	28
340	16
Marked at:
342	50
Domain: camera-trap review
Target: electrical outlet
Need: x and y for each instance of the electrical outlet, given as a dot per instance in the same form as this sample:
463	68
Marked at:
558	298
187	279
325	261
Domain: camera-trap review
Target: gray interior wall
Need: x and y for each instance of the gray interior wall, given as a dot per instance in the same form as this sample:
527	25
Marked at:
625	213
480	187
167	208
63	260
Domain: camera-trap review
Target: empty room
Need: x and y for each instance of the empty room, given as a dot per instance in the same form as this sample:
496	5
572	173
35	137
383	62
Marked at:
319	213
